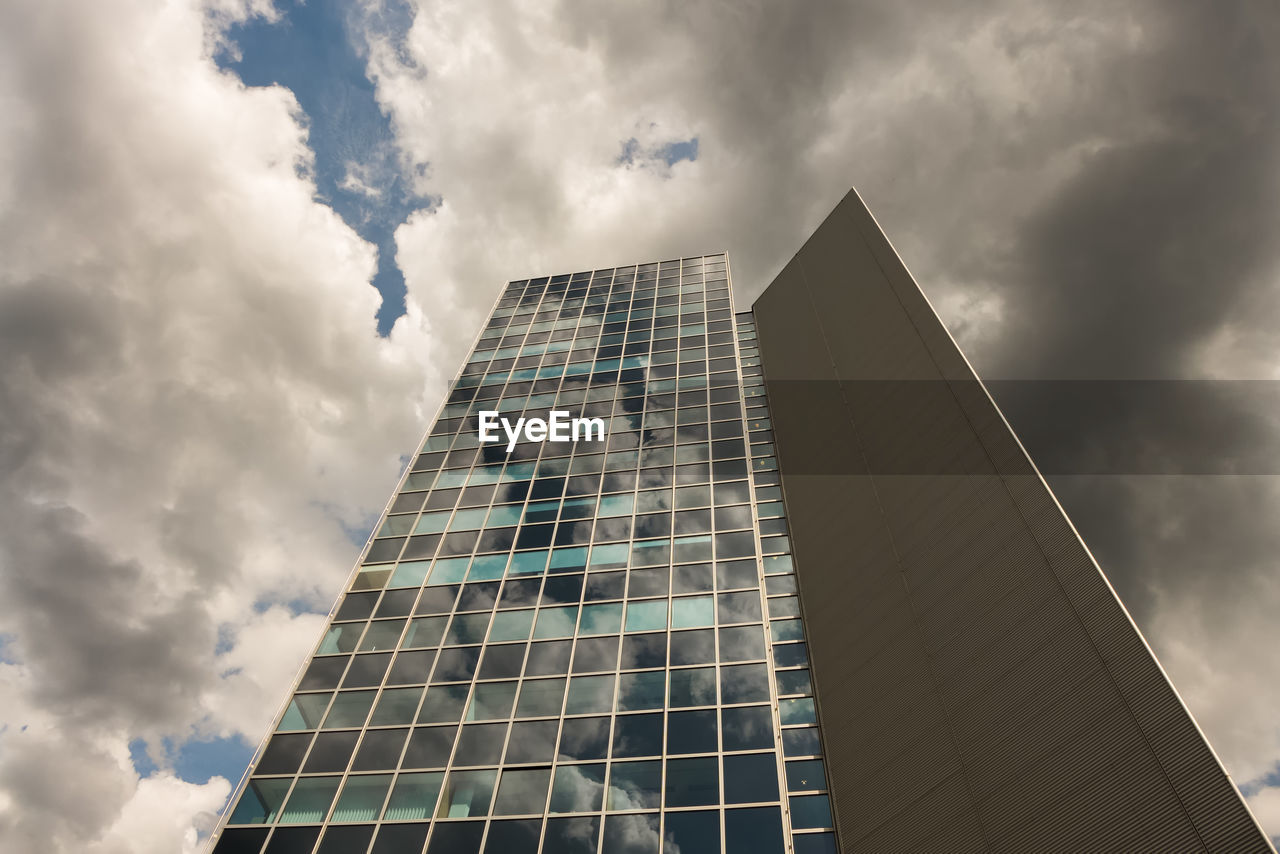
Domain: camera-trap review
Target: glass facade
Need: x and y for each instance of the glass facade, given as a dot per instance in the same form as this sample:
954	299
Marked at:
589	646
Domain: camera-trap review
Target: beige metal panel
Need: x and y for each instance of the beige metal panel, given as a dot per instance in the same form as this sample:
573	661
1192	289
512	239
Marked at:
979	684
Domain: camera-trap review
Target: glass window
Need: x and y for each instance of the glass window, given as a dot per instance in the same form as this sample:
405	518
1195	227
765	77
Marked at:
750	778
638	691
584	738
806	775
568	559
466	793
511	625
487	567
635	785
555	622
260	802
548	658
340	638
740	573
540	698
456	665
528	563
429	747
810	811
362	798
638	735
432	523
284	753
691	579
480	744
601	619
797	711
790	655
571	835
646	615
504	515
691	831
741	643
513	837
522	791
457	837
616	505
532	741
595	654
606	557
366	670
693	647
468	519
449	571
801	742
747	728
410	573
692	612
310	800
756	830
632	834
443	704
304	711
492	700
786	630
349	709
693	782
794	682
578	788
741	607
692	732
648	582
467	628
589	694
503	661
605	585
649	650
396	706
696	687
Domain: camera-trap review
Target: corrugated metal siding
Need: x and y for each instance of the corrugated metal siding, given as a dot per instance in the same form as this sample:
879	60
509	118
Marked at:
980	686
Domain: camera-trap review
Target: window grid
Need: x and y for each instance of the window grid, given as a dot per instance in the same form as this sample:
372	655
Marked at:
381	635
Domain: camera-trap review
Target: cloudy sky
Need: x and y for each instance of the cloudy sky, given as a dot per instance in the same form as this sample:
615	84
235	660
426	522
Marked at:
243	247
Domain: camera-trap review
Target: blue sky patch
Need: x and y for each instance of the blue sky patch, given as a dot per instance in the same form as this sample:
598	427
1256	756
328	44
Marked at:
312	50
674	152
669	153
198	761
141	761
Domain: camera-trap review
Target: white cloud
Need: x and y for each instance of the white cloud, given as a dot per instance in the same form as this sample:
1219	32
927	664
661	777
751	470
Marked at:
194	407
194	411
1266	807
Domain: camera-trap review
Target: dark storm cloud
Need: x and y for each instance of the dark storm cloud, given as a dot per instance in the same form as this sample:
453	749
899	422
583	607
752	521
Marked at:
190	375
1130	271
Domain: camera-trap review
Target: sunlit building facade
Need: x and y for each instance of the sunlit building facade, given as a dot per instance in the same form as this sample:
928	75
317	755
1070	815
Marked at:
587	646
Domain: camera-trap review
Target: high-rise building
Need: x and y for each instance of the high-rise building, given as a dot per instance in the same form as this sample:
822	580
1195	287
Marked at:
859	622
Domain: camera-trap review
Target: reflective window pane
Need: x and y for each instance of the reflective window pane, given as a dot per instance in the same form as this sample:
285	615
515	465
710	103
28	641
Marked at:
466	793
695	687
578	788
414	796
638	691
635	785
691	831
362	797
755	830
522	791
747	728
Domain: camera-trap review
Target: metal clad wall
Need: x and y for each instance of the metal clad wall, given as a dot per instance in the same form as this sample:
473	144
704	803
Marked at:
979	685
